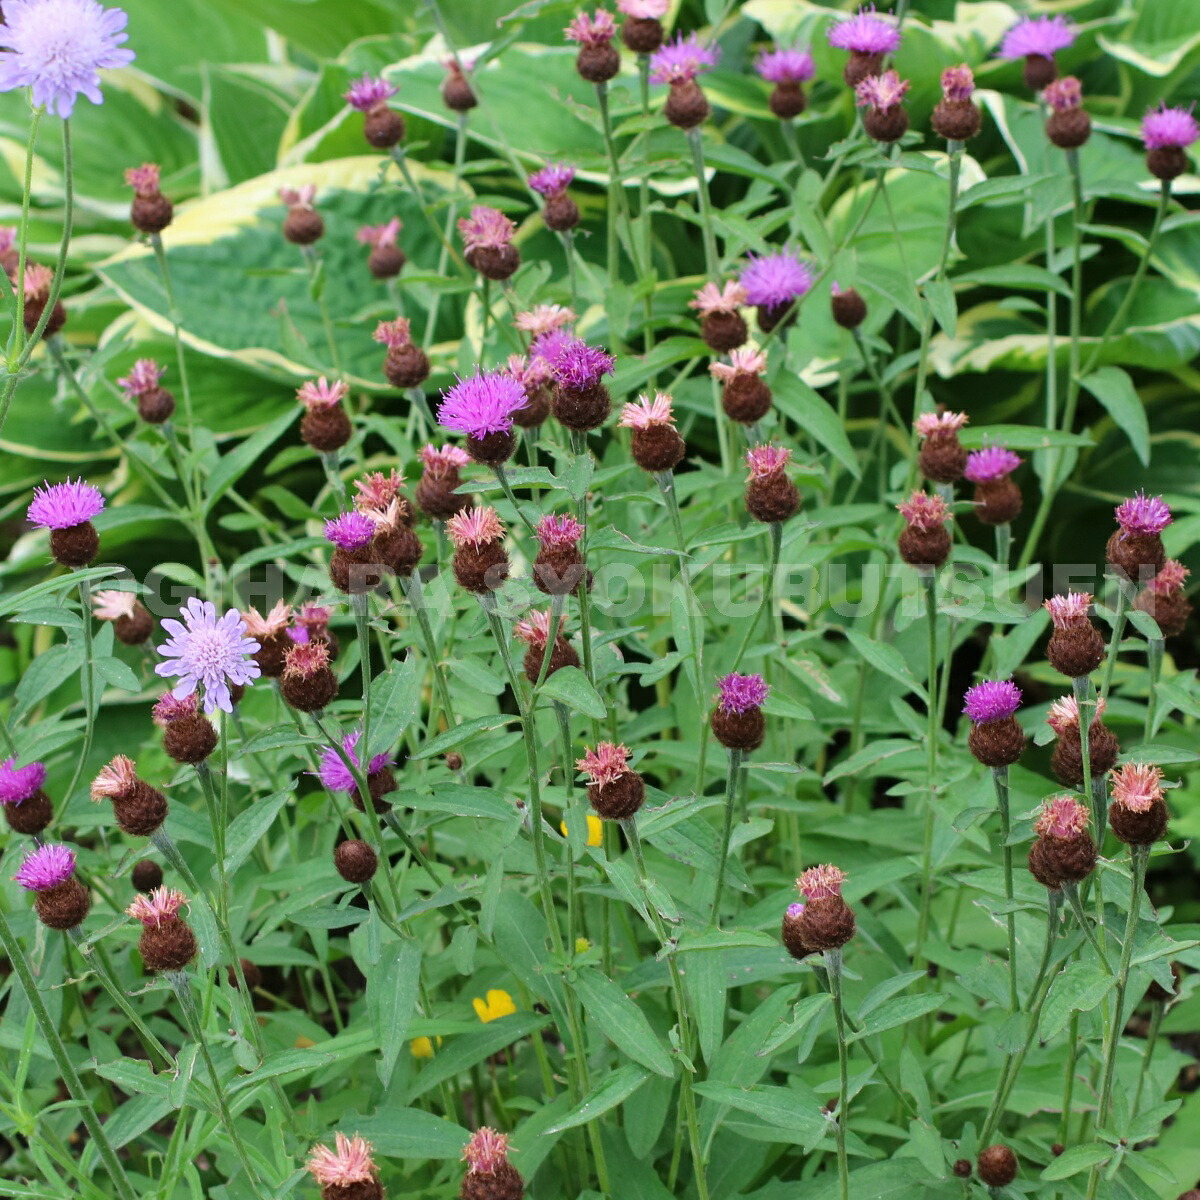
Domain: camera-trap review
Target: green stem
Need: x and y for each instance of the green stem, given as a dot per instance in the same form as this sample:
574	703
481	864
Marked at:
316	286
411	584
360	602
1000	780
731	781
66	1069
768	587
1154	657
460	150
1118	631
666	485
1157	1008
833	966
175	317
502	477
1003	545
616	190
929	579
85	614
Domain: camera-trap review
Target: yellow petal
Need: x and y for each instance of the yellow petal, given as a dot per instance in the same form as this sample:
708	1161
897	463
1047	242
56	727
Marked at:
595	831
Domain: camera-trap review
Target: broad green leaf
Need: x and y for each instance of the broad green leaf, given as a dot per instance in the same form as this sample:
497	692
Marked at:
897	1011
249	826
570	686
613	1088
1114	389
392	988
411	1133
797	1115
621	1020
1079	987
814	416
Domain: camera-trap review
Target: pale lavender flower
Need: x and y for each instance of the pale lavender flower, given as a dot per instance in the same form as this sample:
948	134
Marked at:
18	784
552	179
773	280
786	64
209	652
369	92
990	463
333	772
47	867
64	505
579	367
865	33
682	60
740	693
351	531
1042	37
1169	128
58	47
1143	515
482	404
992	700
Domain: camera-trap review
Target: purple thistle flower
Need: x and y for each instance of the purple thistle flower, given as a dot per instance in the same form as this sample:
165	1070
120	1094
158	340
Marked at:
958	84
1040	36
47	867
795	911
990	463
552	179
772	280
1143	515
485	229
1169	128
682	60
1064	94
351	531
579	367
596	30
333	772
208	651
483	404
740	693
786	64
143	377
992	700
865	33
559	533
18	784
369	92
64	505
57	47
548	345
881	92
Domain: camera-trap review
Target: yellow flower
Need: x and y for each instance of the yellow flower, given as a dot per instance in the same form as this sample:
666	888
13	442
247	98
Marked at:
582	945
595	836
498	1004
422	1047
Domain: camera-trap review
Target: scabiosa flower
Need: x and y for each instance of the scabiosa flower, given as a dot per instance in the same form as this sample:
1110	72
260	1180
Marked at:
1068	126
336	776
534	631
827	921
437	490
142	385
615	791
1135	551
487	242
383	127
26	807
166	944
1166	134
1037	40
306	682
655	442
347	1172
642	29
678	64
140	810
869	38
996	738
386	259
849	309
1163	598
490	1176
131	622
482	407
188	735
480	561
885	118
67	509
1076	648
62	901
151	211
745	396
773	283
925	540
1138	813
57	49
997	498
942	458
325	426
545	318
457	93
559	567
1064	851
737	720
208	652
597	60
1067	759
581	401
406	364
721	325
770	495
957	118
